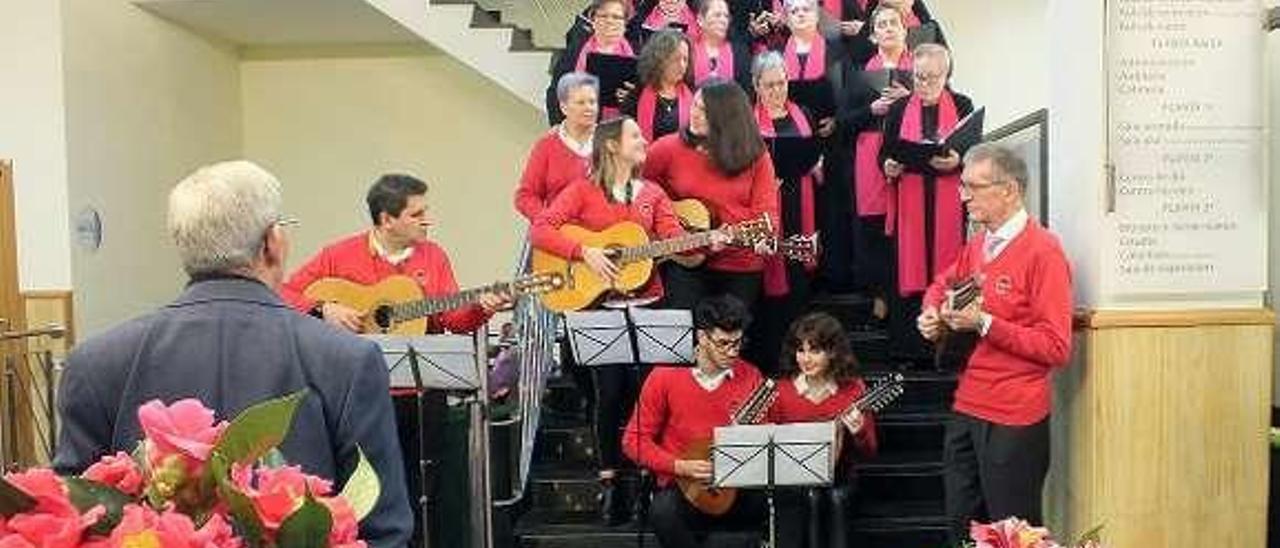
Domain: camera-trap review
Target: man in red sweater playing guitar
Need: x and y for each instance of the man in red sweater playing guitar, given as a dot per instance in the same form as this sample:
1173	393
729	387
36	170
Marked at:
997	442
396	245
679	408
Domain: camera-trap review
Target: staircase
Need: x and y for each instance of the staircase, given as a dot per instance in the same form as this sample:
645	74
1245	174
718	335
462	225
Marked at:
900	501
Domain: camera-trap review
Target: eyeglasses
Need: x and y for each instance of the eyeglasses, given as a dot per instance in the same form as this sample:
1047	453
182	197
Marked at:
776	84
972	187
727	344
929	78
610	16
286	221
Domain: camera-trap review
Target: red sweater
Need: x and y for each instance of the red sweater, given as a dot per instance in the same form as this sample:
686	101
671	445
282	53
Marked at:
1027	291
791	406
582	203
353	259
686	172
674	411
551	166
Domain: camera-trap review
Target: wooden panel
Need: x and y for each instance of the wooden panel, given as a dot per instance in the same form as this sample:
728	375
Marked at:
45	308
16	436
1160	434
11	306
1102	319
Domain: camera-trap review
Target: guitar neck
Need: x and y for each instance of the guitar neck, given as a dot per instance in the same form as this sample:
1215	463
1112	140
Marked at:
663	248
433	305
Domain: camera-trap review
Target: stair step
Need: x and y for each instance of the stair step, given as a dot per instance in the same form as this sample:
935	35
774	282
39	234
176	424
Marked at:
566	446
930	532
906	484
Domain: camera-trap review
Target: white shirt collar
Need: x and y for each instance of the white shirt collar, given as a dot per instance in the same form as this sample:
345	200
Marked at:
814	391
711	381
395	259
583	150
1008	231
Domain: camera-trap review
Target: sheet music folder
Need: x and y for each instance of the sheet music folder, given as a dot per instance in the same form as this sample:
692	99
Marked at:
446	362
793	156
879	80
612	70
605	337
967	133
816	95
803	454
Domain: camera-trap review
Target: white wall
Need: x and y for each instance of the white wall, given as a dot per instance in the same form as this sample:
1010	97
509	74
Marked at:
328	126
1000	53
32	135
146	103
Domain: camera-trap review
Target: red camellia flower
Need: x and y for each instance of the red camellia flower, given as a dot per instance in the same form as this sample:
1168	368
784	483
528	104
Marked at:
119	471
186	428
53	522
277	492
346	529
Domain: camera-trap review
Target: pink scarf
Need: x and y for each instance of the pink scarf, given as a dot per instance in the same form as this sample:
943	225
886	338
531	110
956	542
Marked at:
621	49
815	65
648	107
906	212
702	63
872	194
775	266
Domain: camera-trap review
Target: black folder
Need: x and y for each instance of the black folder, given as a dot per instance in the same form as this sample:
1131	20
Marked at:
916	156
816	95
879	80
612	70
793	156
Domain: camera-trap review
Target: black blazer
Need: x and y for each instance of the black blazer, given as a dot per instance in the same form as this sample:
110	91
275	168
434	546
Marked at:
231	342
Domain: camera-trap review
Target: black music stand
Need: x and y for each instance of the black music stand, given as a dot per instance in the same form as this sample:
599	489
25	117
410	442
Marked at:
771	455
435	363
631	336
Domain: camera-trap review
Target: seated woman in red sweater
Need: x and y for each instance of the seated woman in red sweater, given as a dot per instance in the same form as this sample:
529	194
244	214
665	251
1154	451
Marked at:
823	385
611	194
563	154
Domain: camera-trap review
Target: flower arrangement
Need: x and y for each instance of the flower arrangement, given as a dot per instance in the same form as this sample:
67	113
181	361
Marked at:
192	482
1017	533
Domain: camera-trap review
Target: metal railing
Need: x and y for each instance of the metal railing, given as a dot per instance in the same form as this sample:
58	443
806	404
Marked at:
28	381
535	329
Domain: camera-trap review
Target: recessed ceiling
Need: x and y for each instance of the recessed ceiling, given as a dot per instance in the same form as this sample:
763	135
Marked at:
283	22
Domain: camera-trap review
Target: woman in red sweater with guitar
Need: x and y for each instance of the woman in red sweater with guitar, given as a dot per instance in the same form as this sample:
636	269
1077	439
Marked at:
823	386
612	193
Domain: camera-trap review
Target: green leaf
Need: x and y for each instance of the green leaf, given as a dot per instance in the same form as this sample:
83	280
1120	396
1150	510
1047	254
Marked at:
1094	535
363	487
258	429
85	494
306	527
14	500
243	515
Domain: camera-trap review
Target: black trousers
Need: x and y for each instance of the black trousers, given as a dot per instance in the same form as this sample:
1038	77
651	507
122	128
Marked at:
677	524
617	387
815	517
686	286
773	317
993	471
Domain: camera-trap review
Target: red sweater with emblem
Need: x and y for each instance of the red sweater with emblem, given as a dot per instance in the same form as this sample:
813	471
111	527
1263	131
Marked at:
353	259
1027	291
551	167
685	172
792	406
674	411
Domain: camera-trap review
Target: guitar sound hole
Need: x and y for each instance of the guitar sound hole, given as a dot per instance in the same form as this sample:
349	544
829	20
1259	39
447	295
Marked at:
382	317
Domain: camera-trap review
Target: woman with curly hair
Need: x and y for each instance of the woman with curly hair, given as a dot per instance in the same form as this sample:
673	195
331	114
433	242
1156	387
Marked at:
663	103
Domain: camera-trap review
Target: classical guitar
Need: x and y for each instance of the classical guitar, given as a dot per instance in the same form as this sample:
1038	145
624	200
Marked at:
695	217
629	247
953	347
397	306
716	501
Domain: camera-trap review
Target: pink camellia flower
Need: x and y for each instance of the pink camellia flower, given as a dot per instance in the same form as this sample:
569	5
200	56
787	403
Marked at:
54	522
14	541
186	428
216	533
346	529
277	492
1010	533
118	471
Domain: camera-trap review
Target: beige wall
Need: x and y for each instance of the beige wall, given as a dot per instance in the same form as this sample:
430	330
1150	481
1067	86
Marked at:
146	103
32	135
328	126
1273	106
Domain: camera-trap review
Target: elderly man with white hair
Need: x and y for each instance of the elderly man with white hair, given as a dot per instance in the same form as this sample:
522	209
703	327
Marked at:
231	342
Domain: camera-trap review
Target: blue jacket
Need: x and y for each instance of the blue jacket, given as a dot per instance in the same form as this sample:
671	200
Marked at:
231	343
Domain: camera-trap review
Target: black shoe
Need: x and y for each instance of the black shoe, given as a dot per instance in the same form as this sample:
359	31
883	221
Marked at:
611	503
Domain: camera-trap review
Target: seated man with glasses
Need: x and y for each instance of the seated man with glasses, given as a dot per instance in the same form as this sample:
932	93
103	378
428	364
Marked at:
229	341
997	441
924	212
680	407
397	244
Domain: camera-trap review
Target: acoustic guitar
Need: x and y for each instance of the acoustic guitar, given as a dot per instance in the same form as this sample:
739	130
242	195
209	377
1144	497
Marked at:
695	217
952	347
629	247
716	501
397	306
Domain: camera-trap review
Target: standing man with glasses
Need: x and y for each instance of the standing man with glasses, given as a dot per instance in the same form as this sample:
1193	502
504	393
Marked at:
680	407
997	441
231	342
397	244
924	213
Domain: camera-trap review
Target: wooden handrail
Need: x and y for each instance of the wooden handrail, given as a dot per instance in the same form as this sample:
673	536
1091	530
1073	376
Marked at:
54	331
